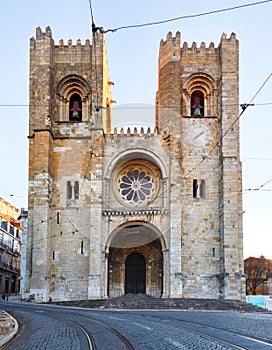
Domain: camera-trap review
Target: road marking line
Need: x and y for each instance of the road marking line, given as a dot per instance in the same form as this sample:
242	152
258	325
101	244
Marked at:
140	325
116	318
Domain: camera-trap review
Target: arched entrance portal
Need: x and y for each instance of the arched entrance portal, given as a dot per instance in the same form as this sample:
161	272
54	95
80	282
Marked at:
135	273
135	261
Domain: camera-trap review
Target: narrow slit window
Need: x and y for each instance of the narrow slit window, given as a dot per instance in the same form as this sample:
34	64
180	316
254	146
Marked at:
58	218
213	252
81	248
53	255
195	188
202	189
76	190
69	190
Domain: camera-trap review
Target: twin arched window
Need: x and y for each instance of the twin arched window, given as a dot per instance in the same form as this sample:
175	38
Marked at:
72	190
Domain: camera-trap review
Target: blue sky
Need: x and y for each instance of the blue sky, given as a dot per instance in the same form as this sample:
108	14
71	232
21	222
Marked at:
133	56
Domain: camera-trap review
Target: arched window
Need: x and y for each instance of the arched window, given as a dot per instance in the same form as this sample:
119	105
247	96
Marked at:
199	189
202	189
199	98
74	99
69	190
75	108
76	190
197	103
195	187
72	189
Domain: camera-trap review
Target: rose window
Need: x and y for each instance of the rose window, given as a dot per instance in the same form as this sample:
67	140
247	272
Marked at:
136	186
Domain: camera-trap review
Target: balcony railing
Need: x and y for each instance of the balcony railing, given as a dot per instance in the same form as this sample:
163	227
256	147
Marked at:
9	249
9	267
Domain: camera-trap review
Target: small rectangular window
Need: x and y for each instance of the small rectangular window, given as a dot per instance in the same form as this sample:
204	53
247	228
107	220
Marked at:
195	187
69	190
81	248
54	255
11	230
202	190
4	225
58	218
76	190
213	252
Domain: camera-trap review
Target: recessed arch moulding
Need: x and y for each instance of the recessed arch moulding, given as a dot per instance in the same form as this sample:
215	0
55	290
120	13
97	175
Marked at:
206	85
136	225
136	237
66	88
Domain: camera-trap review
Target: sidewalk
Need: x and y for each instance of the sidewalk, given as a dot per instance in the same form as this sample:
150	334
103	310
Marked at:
8	324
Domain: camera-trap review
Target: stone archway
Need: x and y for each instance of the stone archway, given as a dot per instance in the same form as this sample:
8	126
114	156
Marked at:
135	261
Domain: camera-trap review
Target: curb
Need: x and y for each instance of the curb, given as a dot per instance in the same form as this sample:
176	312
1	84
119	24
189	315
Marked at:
8	327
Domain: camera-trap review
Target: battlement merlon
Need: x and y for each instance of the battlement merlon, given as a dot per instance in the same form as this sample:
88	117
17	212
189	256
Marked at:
47	37
171	50
232	38
229	53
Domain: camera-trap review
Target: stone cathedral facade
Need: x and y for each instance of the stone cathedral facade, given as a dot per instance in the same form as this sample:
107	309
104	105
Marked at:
134	211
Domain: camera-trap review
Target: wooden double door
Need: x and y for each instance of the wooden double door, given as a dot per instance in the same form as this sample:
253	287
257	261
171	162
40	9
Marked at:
135	273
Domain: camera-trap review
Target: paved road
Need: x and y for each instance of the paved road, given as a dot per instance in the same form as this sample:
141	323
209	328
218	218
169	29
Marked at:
55	328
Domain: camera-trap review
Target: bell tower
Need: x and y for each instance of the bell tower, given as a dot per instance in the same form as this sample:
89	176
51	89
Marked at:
69	115
198	103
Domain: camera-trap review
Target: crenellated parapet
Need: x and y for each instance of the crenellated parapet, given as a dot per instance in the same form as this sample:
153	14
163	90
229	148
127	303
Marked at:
232	37
195	50
130	132
73	48
171	41
40	34
47	34
171	49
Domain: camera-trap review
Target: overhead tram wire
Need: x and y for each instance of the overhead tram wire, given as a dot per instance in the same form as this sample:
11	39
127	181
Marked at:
148	24
244	107
133	107
94	30
91	9
260	187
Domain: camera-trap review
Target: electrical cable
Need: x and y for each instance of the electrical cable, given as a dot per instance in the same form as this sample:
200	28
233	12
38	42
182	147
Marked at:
148	24
260	187
133	107
91	9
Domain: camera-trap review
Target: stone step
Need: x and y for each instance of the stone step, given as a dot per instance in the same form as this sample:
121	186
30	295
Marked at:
136	301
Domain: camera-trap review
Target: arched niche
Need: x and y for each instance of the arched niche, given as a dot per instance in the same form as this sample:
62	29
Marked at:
74	99
129	245
199	91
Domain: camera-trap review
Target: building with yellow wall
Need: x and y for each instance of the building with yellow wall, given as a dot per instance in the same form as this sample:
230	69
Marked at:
10	248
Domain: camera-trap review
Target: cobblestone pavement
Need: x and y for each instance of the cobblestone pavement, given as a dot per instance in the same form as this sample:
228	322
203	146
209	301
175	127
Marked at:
49	328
